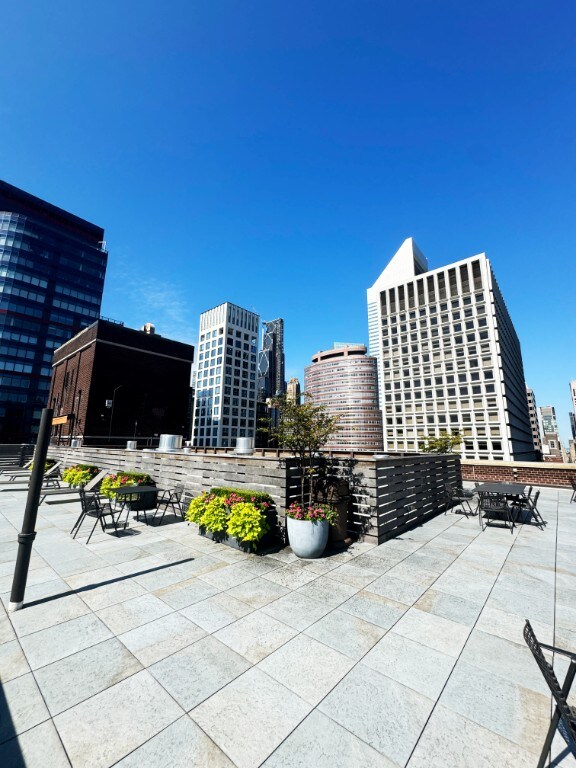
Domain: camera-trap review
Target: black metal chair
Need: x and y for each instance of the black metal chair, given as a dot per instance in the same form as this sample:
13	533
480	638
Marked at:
563	710
94	507
573	484
532	508
458	497
170	498
496	506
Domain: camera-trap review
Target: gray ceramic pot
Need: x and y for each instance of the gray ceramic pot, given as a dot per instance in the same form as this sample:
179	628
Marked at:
307	537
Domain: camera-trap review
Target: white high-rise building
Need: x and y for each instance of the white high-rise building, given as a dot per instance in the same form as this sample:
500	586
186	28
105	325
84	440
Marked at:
448	358
225	401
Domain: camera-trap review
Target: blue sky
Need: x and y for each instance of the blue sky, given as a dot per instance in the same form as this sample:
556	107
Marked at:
276	154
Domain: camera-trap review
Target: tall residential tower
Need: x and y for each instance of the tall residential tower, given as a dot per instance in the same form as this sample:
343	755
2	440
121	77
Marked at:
225	402
52	267
448	357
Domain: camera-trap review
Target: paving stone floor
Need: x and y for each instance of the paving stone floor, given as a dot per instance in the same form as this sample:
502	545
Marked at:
160	648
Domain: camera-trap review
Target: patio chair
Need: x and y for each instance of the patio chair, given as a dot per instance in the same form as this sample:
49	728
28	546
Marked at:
94	507
494	505
573	484
51	476
11	469
563	710
531	506
170	498
521	502
460	498
90	486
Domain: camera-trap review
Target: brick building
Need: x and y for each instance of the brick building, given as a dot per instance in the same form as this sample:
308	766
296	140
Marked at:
115	382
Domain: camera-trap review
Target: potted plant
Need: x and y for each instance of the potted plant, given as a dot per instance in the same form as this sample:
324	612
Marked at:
304	429
308	527
238	518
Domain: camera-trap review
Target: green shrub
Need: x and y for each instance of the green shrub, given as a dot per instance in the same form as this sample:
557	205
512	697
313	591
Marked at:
238	513
80	474
197	508
215	517
123	478
262	500
49	463
246	522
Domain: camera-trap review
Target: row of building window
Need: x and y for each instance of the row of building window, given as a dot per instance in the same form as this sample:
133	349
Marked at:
25	354
22	338
11	290
8	365
88	297
23	277
58	304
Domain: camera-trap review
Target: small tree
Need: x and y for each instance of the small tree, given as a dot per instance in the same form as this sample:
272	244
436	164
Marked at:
445	443
304	429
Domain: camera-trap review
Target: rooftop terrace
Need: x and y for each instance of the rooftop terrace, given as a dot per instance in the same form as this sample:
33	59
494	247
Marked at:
161	648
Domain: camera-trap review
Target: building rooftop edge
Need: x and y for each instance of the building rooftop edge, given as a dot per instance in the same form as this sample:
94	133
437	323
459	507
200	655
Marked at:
38	202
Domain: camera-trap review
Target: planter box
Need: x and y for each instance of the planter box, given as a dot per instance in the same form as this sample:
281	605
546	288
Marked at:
270	542
142	505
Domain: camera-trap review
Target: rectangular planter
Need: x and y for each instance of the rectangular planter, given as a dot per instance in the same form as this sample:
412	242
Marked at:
270	542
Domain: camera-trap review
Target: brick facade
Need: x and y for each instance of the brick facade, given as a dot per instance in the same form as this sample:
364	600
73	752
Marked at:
532	473
144	378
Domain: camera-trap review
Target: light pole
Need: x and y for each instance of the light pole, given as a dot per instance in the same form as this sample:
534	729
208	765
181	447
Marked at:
112	411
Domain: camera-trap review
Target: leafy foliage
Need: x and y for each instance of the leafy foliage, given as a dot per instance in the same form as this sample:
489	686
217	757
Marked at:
235	512
197	508
49	463
445	443
215	517
80	474
246	522
257	497
123	478
304	429
312	512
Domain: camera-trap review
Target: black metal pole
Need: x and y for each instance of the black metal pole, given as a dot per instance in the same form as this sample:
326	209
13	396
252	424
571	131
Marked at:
28	534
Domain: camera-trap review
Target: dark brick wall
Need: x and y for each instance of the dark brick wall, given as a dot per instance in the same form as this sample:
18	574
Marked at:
146	376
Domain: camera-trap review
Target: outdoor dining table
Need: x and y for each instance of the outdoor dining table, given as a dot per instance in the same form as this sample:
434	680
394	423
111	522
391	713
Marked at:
505	489
127	493
512	492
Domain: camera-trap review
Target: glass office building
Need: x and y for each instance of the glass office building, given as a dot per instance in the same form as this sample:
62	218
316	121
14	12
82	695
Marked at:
271	361
52	267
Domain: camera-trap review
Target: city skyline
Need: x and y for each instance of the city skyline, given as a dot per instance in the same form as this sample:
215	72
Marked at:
275	156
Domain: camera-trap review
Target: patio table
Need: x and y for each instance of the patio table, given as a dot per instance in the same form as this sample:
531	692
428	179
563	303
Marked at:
135	493
512	492
505	489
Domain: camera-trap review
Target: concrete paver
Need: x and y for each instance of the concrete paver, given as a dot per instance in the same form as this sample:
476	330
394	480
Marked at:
161	647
